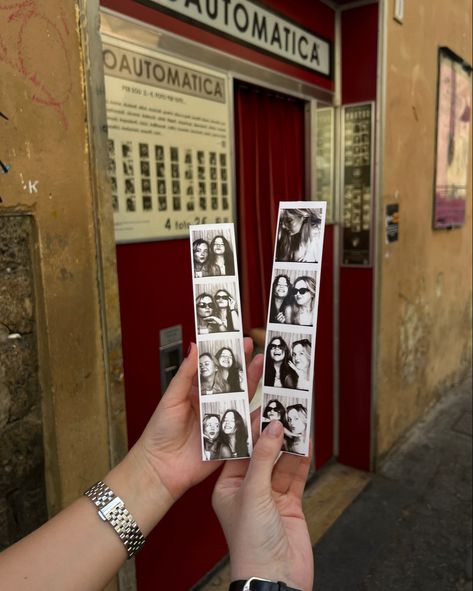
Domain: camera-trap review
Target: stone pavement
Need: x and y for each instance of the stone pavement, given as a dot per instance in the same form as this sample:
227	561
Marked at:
410	529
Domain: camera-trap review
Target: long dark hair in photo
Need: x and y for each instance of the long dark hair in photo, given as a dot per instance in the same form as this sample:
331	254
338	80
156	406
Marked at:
227	255
274	309
287	375
240	447
271	411
233	377
292	242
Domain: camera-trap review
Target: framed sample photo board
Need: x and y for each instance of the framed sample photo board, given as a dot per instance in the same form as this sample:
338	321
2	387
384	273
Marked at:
223	390
288	376
169	130
453	140
357	184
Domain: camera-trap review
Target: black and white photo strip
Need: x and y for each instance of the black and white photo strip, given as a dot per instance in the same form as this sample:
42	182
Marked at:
216	308
292	320
293	412
226	431
218	324
221	369
300	232
288	360
293	298
213	250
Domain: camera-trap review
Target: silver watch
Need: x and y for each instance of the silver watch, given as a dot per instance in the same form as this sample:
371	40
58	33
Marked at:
112	509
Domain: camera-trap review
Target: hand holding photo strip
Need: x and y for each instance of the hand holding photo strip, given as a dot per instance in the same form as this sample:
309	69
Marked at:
223	390
292	322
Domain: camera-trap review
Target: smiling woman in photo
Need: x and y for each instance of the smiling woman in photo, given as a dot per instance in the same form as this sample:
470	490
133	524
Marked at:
211	381
230	369
233	436
278	371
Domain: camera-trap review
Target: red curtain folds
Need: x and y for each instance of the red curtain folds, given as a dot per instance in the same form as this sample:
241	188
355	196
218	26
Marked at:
269	136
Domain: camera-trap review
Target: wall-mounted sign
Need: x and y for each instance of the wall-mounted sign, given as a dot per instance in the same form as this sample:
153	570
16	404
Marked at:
324	158
392	222
357	183
169	143
251	24
453	137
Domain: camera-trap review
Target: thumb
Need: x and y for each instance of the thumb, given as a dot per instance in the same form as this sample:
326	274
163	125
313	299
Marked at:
265	453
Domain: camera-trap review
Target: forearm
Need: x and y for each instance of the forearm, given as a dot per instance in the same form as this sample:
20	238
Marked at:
76	550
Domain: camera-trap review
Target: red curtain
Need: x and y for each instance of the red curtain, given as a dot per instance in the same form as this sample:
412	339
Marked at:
269	132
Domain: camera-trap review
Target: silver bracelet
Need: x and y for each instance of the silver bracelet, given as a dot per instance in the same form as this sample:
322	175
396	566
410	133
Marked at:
112	509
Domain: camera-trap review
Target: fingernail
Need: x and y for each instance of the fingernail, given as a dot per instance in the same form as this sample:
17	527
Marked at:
274	429
189	349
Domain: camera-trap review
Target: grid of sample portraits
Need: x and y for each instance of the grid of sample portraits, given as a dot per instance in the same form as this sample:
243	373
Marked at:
292	322
155	177
223	390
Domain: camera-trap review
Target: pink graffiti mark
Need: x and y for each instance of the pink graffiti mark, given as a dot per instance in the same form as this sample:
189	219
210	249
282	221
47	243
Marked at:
23	13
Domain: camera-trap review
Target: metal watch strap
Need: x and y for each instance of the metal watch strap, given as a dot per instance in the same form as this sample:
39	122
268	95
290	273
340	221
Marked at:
112	509
256	584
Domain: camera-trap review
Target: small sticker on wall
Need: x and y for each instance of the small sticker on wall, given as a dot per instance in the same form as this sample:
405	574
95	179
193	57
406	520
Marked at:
392	222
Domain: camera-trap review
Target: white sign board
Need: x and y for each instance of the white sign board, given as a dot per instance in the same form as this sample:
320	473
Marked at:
252	24
169	143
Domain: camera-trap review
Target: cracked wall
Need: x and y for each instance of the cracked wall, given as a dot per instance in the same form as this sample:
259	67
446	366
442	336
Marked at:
424	337
23	504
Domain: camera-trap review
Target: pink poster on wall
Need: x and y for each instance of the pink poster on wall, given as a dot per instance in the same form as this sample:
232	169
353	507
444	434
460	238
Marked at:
453	135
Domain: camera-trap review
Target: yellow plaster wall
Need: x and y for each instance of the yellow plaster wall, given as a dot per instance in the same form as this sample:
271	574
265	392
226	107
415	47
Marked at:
426	277
44	141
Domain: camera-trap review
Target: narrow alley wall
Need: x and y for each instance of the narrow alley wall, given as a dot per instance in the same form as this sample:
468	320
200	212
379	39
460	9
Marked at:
46	175
425	307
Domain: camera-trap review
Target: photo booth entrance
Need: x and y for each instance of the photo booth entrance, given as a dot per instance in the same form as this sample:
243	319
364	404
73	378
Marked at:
267	147
156	291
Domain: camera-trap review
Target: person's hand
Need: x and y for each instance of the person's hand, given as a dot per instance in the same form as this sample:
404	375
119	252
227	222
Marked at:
213	322
281	318
259	508
170	445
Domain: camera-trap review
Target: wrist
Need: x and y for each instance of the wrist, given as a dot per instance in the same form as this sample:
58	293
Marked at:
270	572
141	489
260	584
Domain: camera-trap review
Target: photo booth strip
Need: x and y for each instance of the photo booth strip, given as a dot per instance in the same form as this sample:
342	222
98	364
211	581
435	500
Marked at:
291	328
223	389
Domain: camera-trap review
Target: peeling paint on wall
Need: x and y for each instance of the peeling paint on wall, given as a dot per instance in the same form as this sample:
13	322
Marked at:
414	339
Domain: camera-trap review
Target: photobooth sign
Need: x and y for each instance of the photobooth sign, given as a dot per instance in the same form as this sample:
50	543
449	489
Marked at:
292	322
453	137
169	143
357	183
223	390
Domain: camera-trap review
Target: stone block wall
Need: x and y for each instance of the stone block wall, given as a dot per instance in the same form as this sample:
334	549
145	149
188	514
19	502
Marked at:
23	504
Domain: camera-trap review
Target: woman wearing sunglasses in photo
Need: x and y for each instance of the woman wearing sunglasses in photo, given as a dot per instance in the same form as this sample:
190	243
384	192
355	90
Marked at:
278	371
303	303
207	319
225	309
